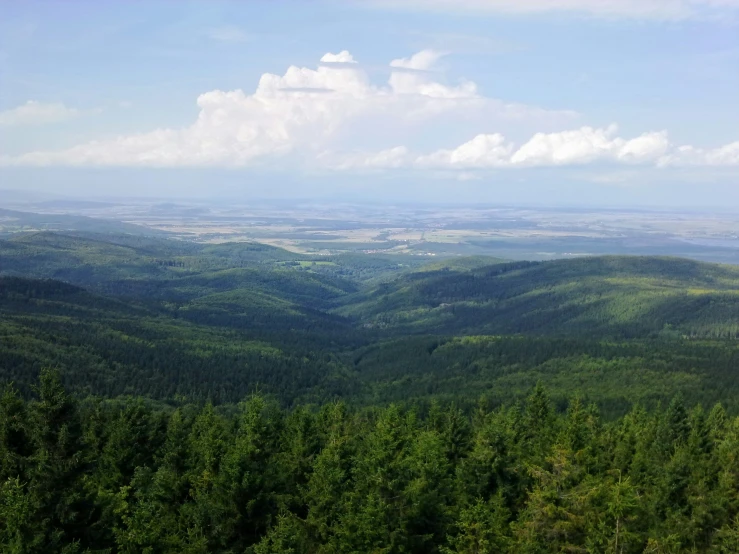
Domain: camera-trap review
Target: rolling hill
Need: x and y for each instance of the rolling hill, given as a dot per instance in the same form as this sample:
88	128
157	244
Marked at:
140	315
15	221
630	297
112	347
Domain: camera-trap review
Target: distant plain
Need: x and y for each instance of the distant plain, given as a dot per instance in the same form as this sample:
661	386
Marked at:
326	228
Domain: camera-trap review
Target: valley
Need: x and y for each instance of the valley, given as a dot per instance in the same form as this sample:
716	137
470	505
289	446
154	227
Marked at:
175	319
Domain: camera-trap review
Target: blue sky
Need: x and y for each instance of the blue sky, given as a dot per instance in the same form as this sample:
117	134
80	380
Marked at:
623	102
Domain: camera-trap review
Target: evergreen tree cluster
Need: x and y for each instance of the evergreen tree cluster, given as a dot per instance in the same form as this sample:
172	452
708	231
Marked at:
129	476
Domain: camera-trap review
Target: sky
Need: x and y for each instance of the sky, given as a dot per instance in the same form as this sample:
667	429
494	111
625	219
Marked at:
546	102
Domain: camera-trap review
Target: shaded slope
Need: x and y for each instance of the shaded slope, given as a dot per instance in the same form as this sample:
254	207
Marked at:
94	259
110	347
613	373
622	296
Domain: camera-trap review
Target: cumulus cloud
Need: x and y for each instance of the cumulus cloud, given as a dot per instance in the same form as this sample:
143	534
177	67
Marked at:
37	113
583	146
635	9
300	113
573	147
342	57
412	76
587	145
318	117
727	155
483	151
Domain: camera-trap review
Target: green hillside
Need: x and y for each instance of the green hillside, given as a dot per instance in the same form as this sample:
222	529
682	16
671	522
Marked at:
225	345
599	296
98	260
162	318
461	263
614	374
110	347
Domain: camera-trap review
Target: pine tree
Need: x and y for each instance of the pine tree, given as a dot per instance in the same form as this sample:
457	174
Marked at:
482	528
57	498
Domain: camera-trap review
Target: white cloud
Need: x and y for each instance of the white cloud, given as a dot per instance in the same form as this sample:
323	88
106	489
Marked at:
583	146
727	155
319	118
301	113
413	76
636	9
37	113
576	147
588	145
423	60
342	57
483	151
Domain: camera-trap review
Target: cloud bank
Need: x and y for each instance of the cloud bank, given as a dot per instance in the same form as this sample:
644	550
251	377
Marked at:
577	147
313	119
574	147
300	114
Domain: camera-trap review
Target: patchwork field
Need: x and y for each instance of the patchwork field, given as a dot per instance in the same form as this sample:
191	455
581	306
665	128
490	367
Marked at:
421	230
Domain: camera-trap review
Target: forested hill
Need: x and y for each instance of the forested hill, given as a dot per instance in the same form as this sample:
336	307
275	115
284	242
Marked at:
628	297
599	296
111	347
171	319
19	221
107	261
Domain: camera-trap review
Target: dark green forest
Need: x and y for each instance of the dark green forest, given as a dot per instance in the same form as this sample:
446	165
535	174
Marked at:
171	396
125	476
